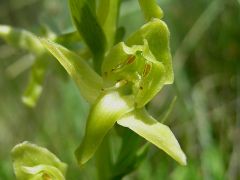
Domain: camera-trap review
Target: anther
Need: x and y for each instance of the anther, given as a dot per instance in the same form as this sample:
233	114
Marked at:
131	59
146	70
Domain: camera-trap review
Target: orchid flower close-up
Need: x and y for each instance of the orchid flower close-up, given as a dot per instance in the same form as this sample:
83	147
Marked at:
133	72
117	75
119	89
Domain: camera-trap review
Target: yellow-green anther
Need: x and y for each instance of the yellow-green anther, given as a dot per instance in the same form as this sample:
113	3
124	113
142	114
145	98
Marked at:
150	9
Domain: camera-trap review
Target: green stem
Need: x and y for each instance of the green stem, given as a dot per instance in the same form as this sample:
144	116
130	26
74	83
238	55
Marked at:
104	159
150	9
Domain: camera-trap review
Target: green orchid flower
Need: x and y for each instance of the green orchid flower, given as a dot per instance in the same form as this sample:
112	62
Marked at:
133	72
36	163
118	80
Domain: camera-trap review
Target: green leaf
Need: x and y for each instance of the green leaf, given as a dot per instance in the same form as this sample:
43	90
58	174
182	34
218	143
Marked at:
86	22
160	135
35	84
103	115
131	154
120	32
156	33
108	12
21	39
34	162
89	82
150	9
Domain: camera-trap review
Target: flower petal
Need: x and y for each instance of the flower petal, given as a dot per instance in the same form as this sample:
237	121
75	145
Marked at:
103	115
157	35
137	65
159	134
43	172
89	82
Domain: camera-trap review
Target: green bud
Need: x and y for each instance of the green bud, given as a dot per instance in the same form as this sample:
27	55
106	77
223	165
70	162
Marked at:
34	162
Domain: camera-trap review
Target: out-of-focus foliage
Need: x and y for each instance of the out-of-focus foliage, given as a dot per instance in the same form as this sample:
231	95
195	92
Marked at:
206	51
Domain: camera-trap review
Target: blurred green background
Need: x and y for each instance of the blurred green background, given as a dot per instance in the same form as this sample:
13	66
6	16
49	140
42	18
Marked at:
205	44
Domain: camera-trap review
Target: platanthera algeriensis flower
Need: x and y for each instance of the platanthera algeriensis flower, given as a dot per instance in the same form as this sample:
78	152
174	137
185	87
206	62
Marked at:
133	72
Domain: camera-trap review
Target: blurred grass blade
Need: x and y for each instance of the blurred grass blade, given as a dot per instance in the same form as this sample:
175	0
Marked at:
150	9
197	31
32	161
88	81
86	22
168	111
108	12
103	115
157	35
21	39
153	131
35	84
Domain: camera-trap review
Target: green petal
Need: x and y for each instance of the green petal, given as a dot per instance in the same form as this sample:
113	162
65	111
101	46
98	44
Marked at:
137	65
160	135
115	64
103	115
157	35
41	172
29	160
89	82
152	79
150	9
21	39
